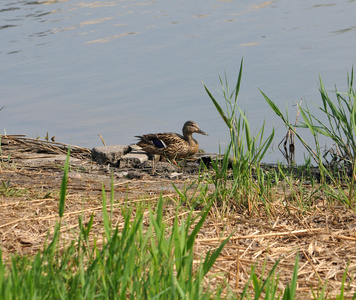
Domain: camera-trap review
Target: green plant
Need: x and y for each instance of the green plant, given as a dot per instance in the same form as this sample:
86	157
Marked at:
7	191
244	146
340	127
269	286
247	150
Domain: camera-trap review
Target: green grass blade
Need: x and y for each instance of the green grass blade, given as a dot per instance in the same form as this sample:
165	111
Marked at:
219	109
106	221
210	259
353	116
293	284
64	186
307	121
179	253
256	286
274	107
247	130
191	239
244	291
237	87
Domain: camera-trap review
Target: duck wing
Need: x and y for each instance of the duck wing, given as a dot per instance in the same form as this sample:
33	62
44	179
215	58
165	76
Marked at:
160	140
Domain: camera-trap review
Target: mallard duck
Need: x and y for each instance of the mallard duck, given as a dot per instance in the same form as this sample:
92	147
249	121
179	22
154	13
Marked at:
172	145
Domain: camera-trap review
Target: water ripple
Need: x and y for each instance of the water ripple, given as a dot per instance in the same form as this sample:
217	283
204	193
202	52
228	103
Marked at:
108	39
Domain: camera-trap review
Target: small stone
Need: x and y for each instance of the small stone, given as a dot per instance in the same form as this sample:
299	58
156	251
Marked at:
175	175
74	176
121	174
109	154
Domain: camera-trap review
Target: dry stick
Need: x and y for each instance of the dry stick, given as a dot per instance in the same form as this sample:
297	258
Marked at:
302	267
326	221
31	156
310	150
237	268
242	260
243	220
122	183
6	136
4	233
102	140
62	229
285	140
217	266
180	215
249	246
342	237
53	146
312	265
292	136
286	233
27	202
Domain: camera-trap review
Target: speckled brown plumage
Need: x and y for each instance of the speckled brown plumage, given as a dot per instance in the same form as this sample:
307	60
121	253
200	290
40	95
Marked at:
172	145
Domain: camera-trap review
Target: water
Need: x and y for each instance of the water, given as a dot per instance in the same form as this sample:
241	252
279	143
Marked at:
76	69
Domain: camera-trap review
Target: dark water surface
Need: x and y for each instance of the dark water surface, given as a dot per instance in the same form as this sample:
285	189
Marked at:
122	68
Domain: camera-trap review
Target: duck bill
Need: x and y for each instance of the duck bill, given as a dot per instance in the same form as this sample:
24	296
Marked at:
202	132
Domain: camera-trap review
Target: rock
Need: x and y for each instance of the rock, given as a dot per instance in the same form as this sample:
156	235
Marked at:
134	148
109	154
132	160
137	175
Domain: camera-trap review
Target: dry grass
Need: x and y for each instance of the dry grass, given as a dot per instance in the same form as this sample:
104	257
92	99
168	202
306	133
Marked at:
324	235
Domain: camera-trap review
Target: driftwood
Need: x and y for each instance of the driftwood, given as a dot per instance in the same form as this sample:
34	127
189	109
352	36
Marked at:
23	144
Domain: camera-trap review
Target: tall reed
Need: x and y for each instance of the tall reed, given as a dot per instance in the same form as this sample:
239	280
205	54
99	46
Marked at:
245	149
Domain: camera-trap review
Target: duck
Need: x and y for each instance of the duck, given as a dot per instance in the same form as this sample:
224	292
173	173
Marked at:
172	145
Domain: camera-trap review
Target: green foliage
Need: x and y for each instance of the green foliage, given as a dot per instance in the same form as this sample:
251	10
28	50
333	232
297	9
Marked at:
64	186
245	150
135	262
339	127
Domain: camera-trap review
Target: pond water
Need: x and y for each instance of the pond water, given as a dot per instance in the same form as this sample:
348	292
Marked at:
120	68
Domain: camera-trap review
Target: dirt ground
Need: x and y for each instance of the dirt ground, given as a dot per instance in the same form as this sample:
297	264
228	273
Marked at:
30	178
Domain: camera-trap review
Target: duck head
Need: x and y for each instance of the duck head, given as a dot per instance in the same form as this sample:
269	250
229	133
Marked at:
191	127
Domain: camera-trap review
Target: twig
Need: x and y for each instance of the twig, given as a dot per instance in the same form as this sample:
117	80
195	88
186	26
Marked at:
312	265
102	140
247	237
